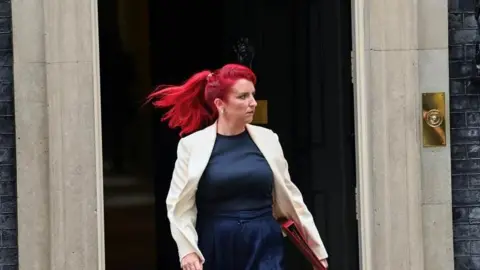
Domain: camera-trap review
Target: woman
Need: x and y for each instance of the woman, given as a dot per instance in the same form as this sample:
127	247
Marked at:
230	179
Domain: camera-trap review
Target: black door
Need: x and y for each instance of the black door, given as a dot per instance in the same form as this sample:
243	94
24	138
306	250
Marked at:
302	59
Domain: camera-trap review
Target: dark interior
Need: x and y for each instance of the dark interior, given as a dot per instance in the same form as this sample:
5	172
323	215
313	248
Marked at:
302	60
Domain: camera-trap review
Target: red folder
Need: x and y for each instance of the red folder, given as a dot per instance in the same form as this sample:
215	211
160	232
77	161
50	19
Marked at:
298	239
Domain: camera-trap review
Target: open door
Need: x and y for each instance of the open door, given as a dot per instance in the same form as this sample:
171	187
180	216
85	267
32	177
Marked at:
302	59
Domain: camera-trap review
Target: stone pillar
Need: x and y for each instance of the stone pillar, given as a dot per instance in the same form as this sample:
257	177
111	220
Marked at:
60	192
395	135
436	162
32	135
404	189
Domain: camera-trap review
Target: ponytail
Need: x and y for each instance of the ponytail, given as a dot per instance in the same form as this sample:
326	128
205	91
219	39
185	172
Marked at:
188	108
191	104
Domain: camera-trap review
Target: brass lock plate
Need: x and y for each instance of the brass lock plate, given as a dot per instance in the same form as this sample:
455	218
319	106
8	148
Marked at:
433	119
261	113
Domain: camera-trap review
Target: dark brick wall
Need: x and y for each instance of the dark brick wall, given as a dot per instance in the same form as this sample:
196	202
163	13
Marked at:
8	209
465	133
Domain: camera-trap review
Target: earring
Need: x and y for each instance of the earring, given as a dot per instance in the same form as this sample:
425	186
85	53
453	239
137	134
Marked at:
222	111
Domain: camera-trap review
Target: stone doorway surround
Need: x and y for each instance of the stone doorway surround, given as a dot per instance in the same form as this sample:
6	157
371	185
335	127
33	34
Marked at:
404	190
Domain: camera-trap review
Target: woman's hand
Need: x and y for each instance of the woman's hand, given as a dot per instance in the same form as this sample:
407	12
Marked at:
191	262
324	263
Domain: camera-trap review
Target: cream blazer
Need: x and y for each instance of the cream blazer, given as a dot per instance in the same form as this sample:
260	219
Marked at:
193	154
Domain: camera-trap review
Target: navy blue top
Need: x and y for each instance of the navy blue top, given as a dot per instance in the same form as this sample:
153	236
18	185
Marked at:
236	178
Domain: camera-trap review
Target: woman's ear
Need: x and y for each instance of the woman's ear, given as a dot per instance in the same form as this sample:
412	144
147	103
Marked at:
219	104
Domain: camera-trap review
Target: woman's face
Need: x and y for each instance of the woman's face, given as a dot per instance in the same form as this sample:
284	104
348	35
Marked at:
239	103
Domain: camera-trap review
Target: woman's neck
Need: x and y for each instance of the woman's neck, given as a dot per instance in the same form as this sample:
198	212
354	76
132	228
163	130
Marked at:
229	128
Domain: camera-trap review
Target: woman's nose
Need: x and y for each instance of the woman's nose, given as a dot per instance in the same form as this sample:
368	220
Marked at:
253	103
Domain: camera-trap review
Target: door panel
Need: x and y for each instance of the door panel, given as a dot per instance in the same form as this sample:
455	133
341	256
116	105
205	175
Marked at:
302	59
303	63
333	150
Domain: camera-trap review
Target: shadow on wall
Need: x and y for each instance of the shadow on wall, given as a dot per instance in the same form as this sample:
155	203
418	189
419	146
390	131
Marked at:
464	59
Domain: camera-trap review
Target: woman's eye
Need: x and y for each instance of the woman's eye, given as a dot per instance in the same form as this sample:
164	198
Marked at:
246	95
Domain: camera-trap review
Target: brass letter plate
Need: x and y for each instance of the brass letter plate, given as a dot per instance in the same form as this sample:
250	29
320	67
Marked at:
433	114
261	113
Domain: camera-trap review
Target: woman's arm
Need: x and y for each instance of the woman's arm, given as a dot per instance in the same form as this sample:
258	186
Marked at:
306	218
180	206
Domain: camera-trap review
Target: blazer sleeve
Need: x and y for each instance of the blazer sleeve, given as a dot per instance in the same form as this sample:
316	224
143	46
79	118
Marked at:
305	217
181	209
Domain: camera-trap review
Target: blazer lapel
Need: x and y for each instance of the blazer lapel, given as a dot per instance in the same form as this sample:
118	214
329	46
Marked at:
201	153
265	146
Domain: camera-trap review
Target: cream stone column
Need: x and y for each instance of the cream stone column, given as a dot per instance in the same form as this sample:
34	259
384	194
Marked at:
60	190
31	128
404	189
388	134
436	162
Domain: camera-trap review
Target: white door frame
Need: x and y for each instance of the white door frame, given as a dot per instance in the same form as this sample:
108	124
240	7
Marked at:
363	166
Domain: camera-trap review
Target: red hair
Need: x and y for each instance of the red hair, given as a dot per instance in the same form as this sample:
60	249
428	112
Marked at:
191	104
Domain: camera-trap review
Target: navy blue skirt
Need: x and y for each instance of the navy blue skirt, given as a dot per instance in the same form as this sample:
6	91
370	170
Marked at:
242	240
